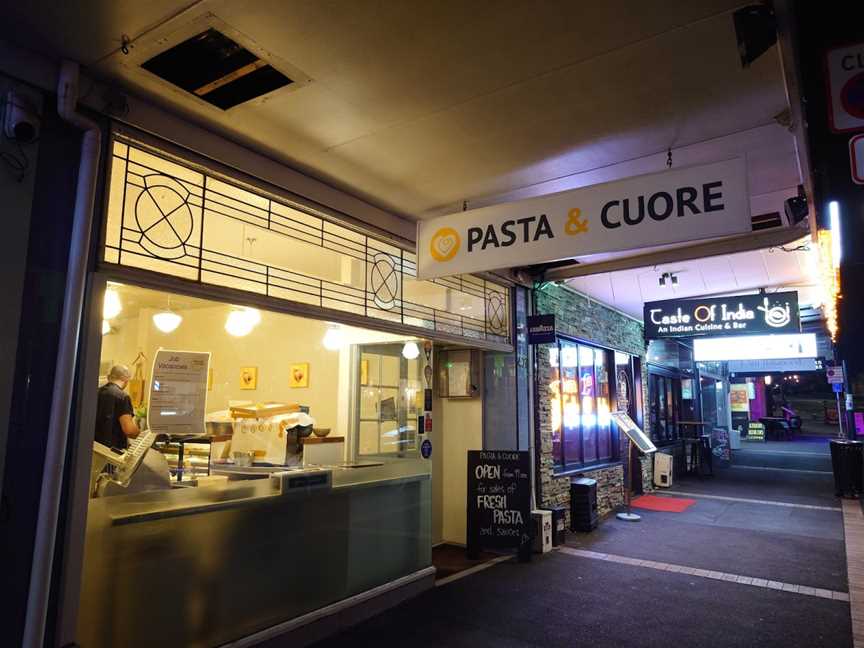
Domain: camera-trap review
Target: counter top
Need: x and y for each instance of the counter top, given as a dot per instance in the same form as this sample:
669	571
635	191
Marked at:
163	504
328	439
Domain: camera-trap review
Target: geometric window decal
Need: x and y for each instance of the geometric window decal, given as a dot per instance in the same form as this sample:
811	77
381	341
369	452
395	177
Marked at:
169	216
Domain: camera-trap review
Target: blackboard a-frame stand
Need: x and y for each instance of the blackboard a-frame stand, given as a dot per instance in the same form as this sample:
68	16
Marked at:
499	502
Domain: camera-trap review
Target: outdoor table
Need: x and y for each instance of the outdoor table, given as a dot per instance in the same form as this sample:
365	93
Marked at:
777	425
693	445
699	452
694	425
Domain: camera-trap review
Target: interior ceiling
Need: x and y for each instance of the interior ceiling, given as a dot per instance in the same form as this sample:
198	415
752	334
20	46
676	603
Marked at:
774	269
416	106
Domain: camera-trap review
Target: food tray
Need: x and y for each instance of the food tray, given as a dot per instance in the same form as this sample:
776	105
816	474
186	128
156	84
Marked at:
263	410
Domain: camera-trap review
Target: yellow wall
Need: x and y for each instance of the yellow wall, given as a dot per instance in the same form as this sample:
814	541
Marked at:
461	429
272	346
276	343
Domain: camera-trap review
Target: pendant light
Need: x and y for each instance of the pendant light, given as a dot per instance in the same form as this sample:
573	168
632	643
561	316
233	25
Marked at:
241	321
410	350
334	338
111	305
167	321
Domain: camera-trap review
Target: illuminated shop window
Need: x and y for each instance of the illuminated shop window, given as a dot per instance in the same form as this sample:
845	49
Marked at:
580	397
166	216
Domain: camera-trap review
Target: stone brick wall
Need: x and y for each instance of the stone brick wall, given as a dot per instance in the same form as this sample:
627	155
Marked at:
647	473
581	317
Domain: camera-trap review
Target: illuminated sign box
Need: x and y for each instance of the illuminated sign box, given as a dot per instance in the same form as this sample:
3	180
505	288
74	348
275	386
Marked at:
755	347
736	315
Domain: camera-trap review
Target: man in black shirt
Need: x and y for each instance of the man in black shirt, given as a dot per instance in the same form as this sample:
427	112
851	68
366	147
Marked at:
115	422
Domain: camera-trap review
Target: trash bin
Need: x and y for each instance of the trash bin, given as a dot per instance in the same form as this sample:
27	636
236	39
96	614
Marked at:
542	520
846	462
734	439
559	524
583	504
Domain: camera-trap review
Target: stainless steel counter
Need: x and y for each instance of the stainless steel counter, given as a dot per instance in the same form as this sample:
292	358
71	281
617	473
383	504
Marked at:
203	566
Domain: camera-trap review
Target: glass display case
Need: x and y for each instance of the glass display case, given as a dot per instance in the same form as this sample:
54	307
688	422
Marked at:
187	459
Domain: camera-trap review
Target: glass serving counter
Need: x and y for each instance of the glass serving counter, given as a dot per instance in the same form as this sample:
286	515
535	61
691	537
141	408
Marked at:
189	551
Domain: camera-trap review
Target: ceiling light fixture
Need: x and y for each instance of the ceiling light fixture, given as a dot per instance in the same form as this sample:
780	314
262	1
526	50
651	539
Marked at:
410	351
167	321
334	338
111	305
106	327
668	277
241	321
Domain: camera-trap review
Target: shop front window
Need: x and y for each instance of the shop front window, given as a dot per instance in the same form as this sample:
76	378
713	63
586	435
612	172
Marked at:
664	393
390	385
580	409
267	470
168	216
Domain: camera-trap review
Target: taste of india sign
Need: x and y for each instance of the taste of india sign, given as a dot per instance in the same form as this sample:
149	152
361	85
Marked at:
674	206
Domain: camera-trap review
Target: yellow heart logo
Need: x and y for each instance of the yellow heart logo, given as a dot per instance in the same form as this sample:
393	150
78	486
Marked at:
445	244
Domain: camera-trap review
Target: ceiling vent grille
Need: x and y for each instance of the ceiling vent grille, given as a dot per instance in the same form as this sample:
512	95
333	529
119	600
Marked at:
767	221
216	69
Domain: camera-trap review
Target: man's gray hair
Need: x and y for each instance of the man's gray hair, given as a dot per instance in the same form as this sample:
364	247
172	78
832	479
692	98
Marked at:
119	372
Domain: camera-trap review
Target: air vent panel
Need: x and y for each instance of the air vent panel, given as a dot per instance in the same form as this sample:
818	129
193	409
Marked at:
766	221
217	69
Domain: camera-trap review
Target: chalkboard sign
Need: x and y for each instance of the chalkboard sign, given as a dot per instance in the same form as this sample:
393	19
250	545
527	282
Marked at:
720	446
499	500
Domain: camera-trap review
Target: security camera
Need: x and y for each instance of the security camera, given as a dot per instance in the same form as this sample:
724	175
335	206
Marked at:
796	209
21	121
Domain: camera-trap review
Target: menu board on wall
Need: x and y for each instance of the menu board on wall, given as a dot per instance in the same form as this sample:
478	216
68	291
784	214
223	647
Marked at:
739	398
178	392
499	499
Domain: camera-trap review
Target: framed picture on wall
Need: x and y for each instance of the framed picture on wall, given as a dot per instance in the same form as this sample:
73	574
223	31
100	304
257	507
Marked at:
249	378
299	376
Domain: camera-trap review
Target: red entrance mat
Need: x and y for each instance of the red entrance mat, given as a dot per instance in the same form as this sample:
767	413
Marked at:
668	504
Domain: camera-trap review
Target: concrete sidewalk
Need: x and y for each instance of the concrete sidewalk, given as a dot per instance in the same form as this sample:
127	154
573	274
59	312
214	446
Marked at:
758	560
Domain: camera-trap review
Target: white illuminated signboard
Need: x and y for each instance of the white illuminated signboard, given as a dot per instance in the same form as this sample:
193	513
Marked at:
677	205
178	392
715	316
755	347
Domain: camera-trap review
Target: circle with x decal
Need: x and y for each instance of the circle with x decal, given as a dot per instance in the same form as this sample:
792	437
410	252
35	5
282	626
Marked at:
495	315
384	281
164	217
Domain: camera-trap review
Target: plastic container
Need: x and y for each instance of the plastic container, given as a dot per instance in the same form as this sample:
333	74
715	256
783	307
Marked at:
559	524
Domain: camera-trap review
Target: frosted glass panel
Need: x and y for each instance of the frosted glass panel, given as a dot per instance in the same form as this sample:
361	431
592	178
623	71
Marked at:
165	216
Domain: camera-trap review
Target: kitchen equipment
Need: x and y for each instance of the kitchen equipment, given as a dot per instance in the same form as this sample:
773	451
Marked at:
219	428
321	432
244	459
276	438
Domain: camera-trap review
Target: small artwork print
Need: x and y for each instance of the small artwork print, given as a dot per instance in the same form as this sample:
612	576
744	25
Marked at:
300	375
249	378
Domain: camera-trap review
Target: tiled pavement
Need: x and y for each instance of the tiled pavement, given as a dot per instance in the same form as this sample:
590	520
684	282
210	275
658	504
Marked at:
853	523
762	555
716	575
